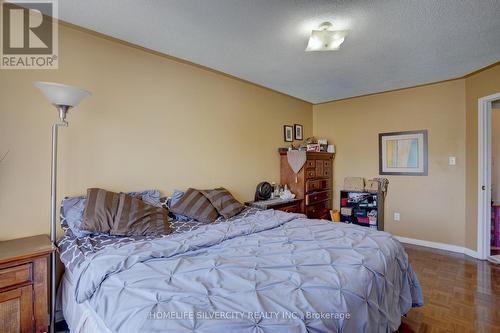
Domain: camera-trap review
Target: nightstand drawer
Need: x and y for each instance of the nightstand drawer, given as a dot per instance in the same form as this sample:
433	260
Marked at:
291	209
15	275
313	198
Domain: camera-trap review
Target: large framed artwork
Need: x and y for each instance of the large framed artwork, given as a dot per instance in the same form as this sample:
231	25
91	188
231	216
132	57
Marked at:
403	153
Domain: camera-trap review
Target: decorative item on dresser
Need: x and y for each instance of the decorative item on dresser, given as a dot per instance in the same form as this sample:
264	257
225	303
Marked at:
23	284
313	183
289	206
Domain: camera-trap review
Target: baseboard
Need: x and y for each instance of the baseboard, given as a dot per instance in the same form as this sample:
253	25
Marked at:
439	246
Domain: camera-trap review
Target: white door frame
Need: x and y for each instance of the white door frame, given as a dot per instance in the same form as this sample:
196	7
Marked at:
484	175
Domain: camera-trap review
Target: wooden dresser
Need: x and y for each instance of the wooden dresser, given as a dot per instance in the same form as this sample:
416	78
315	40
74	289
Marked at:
313	183
23	284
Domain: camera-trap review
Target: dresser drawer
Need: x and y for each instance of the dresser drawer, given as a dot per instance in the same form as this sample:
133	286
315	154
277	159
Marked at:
318	210
317	185
15	275
316	197
309	174
310	164
327	164
312	185
327	173
319	168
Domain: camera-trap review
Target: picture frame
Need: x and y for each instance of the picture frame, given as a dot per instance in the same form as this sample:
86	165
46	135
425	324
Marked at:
288	133
298	132
403	153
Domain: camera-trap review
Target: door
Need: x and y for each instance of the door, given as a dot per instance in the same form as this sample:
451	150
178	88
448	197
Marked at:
16	310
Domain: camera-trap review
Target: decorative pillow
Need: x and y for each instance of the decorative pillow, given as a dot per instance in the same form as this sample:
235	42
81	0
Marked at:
72	210
72	215
172	200
100	210
224	202
138	218
195	205
151	197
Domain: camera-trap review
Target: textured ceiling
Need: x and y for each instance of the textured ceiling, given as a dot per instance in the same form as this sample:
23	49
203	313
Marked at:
391	43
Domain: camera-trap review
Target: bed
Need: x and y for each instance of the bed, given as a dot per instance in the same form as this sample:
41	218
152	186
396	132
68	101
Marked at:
260	271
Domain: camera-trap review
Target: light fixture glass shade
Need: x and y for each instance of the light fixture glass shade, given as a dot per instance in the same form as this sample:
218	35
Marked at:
325	39
61	94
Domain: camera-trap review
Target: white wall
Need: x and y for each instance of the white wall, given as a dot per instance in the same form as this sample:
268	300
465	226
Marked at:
495	156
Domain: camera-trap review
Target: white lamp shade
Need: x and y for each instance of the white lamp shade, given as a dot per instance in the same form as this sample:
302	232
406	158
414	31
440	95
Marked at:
62	94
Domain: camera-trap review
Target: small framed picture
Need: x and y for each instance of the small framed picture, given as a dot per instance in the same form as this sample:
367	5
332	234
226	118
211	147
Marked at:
298	132
288	133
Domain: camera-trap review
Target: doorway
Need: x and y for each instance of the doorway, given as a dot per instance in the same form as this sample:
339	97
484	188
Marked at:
495	181
488	178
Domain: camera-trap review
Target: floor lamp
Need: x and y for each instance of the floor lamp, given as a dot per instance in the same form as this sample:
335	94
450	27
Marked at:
63	97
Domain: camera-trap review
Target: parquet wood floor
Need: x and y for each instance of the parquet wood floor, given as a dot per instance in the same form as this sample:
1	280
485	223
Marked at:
461	294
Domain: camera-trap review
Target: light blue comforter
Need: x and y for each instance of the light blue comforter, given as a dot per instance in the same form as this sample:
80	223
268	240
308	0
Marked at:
268	272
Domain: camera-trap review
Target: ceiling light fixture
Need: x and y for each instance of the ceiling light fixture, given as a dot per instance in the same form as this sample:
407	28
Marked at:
325	39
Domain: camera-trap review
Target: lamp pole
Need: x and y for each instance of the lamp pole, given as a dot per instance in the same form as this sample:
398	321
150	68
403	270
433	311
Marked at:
63	97
53	211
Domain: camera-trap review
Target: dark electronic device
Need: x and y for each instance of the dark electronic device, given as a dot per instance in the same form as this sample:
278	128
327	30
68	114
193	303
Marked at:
263	191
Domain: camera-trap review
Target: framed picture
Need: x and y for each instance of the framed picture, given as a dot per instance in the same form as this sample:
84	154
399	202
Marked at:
298	132
288	133
403	153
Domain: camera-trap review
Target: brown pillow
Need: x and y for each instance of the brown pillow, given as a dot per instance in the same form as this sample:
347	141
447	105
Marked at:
137	218
195	205
100	210
224	202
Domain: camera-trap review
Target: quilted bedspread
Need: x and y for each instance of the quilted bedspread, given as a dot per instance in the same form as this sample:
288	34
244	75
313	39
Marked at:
266	272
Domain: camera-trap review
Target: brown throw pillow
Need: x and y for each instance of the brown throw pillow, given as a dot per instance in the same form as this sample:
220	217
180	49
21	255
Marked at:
137	218
224	202
100	210
195	205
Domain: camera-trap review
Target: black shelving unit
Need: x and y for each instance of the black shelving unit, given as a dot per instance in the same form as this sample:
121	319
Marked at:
366	208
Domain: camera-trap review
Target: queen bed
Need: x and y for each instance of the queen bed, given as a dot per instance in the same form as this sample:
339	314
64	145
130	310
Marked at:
260	271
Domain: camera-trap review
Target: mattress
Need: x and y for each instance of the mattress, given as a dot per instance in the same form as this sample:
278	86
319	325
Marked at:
80	317
270	271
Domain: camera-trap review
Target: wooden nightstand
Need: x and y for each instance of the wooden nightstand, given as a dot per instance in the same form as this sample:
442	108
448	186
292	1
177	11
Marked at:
23	284
290	206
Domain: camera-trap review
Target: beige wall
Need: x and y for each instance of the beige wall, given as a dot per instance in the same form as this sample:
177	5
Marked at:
495	155
154	122
151	122
478	85
432	207
449	111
